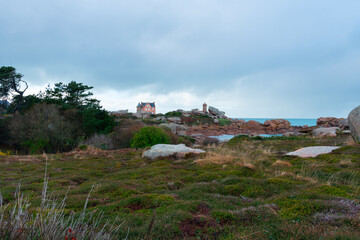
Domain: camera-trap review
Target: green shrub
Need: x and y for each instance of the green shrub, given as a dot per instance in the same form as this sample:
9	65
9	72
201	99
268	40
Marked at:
173	114
83	147
149	136
223	216
224	122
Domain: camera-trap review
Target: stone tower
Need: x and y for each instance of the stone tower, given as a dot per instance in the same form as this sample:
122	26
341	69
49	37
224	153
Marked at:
205	108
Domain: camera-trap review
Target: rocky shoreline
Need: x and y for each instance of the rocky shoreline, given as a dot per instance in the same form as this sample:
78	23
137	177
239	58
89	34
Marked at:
213	122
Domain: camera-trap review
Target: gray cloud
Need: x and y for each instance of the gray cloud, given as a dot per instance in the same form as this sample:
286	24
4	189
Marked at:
301	56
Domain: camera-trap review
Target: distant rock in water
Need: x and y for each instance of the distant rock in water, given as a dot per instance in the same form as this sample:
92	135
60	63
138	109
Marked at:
354	123
166	150
330	122
274	125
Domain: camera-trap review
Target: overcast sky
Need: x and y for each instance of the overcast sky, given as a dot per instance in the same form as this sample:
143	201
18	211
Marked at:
255	58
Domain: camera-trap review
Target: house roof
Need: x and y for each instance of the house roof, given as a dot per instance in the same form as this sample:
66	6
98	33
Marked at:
143	104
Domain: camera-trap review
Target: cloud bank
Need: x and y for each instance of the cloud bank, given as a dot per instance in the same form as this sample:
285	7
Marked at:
250	58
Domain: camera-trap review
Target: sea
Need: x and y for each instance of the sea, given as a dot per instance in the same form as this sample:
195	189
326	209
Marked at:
294	122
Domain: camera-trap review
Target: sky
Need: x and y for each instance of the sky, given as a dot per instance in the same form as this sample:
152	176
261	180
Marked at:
253	58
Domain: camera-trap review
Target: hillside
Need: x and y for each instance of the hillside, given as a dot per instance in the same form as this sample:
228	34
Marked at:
245	189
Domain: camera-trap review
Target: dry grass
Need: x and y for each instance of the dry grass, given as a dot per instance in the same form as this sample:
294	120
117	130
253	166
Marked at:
345	162
350	141
280	163
246	155
93	151
50	220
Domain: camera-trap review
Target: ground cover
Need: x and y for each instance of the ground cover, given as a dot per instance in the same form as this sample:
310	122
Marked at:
246	189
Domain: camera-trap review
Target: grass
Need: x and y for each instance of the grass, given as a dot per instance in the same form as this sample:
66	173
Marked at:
247	189
50	219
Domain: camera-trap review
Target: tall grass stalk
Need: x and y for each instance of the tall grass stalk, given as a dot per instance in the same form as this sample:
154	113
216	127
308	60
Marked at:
50	220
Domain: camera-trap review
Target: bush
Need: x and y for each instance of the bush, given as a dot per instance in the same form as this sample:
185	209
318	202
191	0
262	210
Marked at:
173	114
43	128
124	132
100	141
188	141
224	122
149	136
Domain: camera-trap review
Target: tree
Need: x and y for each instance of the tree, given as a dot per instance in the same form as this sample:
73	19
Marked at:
77	96
10	81
43	128
71	95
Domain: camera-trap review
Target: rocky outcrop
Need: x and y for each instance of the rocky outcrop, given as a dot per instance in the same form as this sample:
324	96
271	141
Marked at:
160	118
354	123
175	128
216	112
277	125
330	122
254	126
174	119
120	112
142	114
236	126
324	132
166	150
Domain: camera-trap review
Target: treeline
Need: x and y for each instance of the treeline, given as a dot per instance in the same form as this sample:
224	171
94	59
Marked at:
55	119
65	116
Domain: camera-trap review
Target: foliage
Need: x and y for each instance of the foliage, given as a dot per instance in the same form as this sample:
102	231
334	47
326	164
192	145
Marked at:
224	122
173	114
10	81
43	128
245	197
101	141
71	95
50	220
124	132
149	136
95	120
7	153
4	131
75	107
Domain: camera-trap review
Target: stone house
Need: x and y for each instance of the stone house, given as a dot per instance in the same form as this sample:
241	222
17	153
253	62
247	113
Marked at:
146	107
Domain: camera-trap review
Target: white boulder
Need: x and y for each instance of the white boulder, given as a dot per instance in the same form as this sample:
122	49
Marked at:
165	150
325	132
312	151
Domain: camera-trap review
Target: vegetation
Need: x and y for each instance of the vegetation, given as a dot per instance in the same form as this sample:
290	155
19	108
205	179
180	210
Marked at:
10	81
57	119
173	114
247	190
224	122
149	136
50	220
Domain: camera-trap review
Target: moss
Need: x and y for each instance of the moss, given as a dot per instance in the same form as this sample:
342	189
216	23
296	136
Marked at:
223	217
340	191
298	208
254	191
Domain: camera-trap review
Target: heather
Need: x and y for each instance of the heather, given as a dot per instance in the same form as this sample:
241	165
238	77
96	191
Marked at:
244	189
